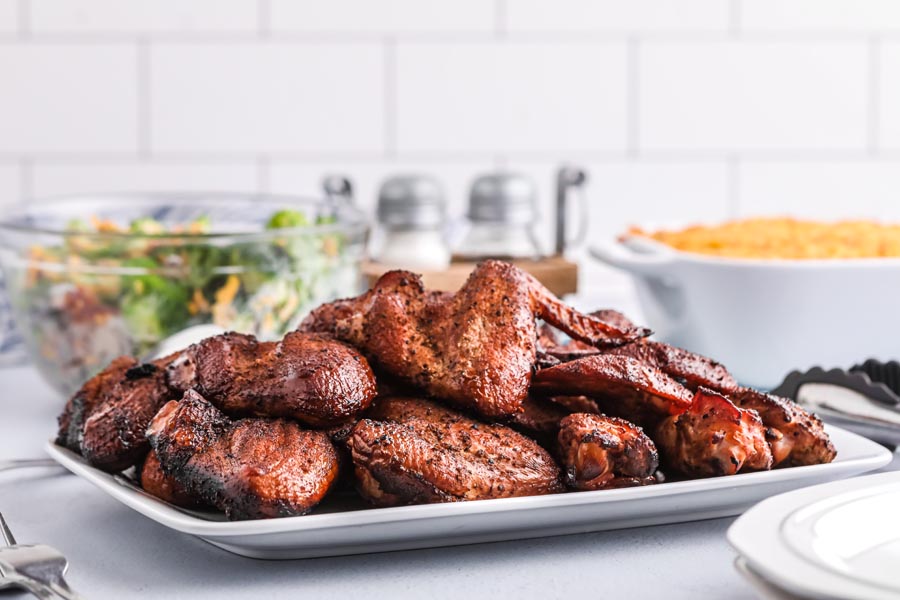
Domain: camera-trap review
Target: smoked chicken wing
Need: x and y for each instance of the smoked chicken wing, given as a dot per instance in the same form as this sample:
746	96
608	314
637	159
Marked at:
713	437
420	452
249	468
600	452
475	348
154	481
621	385
106	419
308	377
796	437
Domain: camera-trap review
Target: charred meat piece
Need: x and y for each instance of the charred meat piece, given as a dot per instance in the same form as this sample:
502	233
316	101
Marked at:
420	452
113	434
795	436
549	344
600	452
475	348
621	385
539	419
693	369
714	437
250	468
155	482
576	404
95	391
308	377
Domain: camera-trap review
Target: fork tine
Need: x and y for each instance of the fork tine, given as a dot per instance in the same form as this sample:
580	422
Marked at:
6	533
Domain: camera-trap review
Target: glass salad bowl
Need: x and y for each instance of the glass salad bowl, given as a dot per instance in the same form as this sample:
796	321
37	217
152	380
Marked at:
91	278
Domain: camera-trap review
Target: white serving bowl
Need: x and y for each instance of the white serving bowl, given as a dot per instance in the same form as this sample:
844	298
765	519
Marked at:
764	318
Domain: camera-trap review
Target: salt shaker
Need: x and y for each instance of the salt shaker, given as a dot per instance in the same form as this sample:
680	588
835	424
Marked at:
502	212
411	214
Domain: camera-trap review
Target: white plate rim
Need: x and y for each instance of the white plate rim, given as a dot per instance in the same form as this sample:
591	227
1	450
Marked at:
757	537
872	457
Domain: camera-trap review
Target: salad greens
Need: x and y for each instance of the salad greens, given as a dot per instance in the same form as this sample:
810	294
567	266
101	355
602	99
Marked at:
123	292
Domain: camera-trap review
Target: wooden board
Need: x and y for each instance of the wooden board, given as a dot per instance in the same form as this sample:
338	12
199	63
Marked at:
558	274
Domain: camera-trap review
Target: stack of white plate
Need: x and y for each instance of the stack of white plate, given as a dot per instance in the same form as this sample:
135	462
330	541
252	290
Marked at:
837	540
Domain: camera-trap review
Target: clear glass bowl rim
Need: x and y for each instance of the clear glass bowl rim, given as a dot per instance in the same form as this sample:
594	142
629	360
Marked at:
351	220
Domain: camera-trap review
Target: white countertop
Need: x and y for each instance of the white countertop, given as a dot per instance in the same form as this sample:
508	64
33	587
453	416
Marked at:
116	553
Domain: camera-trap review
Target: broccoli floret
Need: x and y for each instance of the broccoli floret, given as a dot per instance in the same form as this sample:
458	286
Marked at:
287	218
146	226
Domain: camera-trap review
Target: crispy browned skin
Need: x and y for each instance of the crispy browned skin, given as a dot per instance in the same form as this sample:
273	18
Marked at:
309	377
693	369
420	452
574	404
549	344
475	348
600	452
539	418
622	386
714	437
92	393
155	482
250	468
113	435
795	436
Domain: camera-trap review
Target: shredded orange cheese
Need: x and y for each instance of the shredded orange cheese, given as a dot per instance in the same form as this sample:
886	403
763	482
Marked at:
785	238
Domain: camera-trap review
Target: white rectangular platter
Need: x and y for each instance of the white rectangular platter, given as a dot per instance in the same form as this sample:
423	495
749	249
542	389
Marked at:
333	530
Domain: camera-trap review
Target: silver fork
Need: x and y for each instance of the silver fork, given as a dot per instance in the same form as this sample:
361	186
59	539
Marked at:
26	463
38	569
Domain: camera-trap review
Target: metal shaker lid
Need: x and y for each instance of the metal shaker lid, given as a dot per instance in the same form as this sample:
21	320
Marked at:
507	198
411	202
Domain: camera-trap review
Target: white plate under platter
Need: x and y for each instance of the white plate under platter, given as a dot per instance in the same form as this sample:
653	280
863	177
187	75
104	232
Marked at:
836	540
330	531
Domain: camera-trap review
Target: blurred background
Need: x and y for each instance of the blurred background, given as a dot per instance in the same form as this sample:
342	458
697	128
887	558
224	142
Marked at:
687	110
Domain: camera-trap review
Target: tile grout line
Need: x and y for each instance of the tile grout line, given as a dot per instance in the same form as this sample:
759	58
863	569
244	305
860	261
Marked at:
874	89
390	96
735	18
26	179
24	20
263	174
264	18
501	27
633	97
600	36
734	186
144	83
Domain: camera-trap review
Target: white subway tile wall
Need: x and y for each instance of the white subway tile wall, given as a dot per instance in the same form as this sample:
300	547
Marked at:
753	95
10	185
382	16
54	179
68	98
821	15
256	98
618	15
143	16
512	97
684	110
9	16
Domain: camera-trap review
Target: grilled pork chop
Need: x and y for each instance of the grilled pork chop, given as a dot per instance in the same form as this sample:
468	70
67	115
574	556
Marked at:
249	468
419	452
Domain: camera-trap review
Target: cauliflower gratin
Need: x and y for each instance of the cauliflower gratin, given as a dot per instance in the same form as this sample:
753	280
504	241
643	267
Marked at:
784	238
